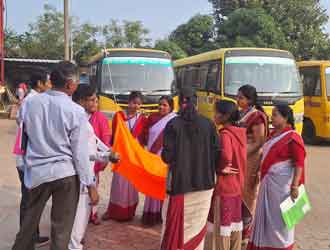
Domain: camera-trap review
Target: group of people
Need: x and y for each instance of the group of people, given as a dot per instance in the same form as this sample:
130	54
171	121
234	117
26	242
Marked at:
61	146
256	170
233	168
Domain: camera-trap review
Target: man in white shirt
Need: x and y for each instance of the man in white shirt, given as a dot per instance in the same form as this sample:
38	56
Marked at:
56	158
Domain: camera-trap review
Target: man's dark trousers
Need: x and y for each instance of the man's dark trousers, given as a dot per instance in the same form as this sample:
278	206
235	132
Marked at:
24	200
65	196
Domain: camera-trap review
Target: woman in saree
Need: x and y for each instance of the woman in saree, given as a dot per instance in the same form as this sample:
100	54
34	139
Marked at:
124	197
282	171
191	150
153	139
255	121
230	178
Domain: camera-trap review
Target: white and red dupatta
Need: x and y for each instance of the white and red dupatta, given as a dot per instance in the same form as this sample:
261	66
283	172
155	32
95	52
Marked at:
155	134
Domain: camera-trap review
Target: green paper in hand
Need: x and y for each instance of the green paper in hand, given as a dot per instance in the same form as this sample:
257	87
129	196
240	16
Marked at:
294	212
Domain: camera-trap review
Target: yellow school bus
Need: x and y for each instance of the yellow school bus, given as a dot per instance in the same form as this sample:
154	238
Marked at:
219	74
315	76
117	72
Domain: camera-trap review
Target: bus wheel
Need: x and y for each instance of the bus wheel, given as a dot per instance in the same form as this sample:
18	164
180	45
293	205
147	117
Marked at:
309	133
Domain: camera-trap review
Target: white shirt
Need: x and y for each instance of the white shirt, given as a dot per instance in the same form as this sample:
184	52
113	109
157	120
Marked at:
57	148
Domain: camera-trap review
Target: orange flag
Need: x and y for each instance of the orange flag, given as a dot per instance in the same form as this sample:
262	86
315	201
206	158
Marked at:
145	170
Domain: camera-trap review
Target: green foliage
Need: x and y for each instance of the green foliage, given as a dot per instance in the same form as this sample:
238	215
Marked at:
223	8
12	42
170	47
250	28
297	26
301	22
46	34
45	37
113	35
129	34
136	34
195	36
85	43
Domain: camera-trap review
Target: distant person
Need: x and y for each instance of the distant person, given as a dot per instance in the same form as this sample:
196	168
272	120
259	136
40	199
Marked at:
84	79
282	172
255	121
98	152
124	197
191	150
21	91
39	83
230	178
153	138
56	158
86	96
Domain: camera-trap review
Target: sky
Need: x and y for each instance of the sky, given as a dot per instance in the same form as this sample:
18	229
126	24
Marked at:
159	16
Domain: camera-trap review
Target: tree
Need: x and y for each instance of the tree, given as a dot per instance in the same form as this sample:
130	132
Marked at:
303	24
223	8
131	34
45	36
195	36
136	35
171	47
85	42
113	35
250	28
12	43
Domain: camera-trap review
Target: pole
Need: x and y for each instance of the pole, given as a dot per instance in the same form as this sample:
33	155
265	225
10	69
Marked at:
2	44
66	31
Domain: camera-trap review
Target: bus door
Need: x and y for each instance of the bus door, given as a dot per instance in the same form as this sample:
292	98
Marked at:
205	79
327	82
208	89
314	104
192	76
326	91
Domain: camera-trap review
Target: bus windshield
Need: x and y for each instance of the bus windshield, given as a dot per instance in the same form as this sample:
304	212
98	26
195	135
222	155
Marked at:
121	75
272	76
327	80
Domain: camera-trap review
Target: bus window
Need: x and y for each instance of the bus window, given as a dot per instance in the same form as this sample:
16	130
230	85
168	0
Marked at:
212	82
195	79
312	81
188	77
272	76
124	74
191	77
179	78
203	73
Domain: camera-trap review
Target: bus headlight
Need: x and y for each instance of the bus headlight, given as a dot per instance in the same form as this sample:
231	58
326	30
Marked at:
299	118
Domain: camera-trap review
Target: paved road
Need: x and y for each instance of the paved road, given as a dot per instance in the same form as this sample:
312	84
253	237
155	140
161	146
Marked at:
312	234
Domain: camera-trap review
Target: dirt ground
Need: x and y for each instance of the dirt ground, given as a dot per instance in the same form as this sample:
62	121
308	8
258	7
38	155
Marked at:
312	234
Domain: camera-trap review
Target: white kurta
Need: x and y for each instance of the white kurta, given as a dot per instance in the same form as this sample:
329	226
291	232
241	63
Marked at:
84	208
